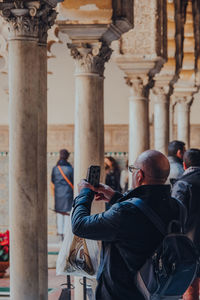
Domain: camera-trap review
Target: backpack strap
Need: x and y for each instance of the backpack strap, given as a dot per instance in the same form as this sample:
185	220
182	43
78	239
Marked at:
150	214
65	177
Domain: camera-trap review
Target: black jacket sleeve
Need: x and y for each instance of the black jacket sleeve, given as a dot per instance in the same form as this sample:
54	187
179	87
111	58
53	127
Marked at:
103	226
116	197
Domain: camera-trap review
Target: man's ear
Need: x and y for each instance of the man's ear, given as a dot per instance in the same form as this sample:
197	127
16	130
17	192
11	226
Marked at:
184	166
179	154
140	177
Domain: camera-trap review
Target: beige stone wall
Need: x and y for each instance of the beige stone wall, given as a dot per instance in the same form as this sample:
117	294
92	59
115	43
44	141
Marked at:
62	136
4	138
116	137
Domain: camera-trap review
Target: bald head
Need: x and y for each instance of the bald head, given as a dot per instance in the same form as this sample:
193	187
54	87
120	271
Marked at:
154	165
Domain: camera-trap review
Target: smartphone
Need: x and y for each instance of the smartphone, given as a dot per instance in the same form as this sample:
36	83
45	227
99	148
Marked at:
93	175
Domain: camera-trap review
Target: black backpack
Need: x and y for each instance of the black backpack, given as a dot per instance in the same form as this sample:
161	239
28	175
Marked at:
173	266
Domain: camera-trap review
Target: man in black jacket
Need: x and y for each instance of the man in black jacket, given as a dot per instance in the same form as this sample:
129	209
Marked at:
187	189
128	236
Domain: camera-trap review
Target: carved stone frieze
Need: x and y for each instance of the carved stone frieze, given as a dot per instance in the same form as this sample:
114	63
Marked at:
90	58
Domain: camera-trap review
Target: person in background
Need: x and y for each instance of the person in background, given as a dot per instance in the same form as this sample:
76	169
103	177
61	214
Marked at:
112	173
187	190
62	180
124	178
176	150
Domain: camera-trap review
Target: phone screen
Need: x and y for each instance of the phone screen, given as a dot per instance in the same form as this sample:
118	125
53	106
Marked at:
93	175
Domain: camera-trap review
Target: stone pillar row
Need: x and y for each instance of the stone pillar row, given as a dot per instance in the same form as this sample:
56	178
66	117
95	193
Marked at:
163	116
28	26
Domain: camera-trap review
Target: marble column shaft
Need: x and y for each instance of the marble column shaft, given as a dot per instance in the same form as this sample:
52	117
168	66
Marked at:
42	173
46	22
89	107
171	120
28	164
89	125
183	120
161	120
89	117
138	119
23	112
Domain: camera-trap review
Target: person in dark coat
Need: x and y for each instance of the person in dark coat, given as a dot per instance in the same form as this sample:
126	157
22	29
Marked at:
112	173
128	236
176	150
62	179
187	189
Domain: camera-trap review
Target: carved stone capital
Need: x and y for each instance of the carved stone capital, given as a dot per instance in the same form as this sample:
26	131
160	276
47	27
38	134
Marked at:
46	21
184	103
161	94
28	20
138	87
23	27
90	58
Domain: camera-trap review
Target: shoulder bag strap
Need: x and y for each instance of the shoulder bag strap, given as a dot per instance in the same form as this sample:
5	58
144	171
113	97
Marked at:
65	177
150	214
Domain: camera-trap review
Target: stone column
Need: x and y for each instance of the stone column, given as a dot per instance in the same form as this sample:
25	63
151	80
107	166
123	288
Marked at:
42	174
171	119
23	112
89	106
183	119
27	112
138	118
89	114
45	23
161	119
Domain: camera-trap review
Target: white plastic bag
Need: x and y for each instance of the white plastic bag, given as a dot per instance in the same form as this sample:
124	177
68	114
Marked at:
86	255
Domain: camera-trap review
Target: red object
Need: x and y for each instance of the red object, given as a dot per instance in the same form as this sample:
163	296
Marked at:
3	267
6	249
4	243
192	292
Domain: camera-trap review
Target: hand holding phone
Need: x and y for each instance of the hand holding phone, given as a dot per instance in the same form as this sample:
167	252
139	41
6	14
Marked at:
93	175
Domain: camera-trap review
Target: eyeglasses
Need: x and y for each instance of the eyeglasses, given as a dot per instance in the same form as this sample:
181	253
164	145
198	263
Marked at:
131	168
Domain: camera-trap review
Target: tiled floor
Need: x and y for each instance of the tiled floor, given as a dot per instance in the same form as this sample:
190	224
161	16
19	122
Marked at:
54	283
